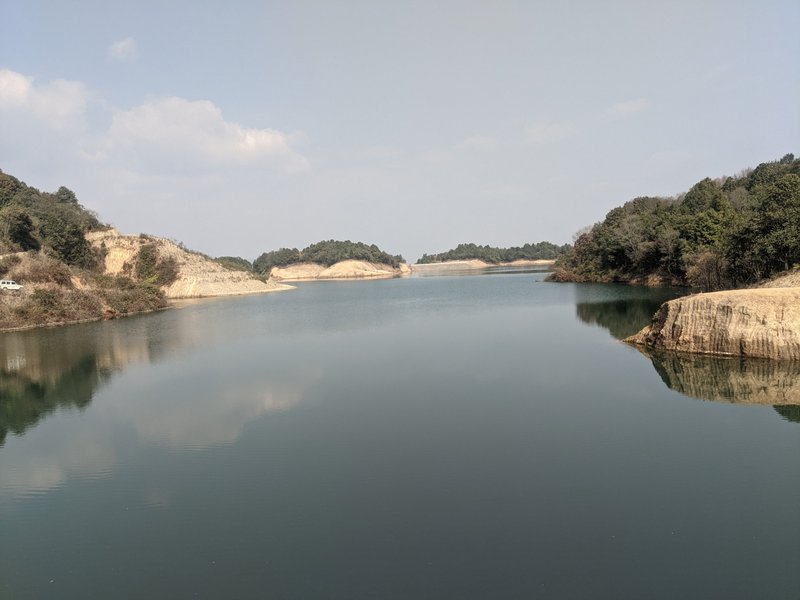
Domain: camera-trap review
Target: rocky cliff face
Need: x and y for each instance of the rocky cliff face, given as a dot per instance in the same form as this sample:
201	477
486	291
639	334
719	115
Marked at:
198	276
347	269
758	323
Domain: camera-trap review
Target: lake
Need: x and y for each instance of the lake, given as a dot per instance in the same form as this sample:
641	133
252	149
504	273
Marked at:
482	436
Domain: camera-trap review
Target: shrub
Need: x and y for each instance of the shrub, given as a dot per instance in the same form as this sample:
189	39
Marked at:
152	268
235	263
133	297
40	268
7	262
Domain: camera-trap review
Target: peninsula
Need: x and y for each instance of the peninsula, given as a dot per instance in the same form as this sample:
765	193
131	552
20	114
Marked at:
473	256
723	233
73	268
730	237
330	259
748	323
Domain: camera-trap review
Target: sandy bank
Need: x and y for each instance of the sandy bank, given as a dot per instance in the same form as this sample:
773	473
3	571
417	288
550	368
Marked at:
346	269
460	265
758	323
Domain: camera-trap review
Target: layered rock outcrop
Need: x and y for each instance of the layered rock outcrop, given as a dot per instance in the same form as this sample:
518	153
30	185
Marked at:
758	323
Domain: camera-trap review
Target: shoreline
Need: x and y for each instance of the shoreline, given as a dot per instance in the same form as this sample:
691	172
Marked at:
345	270
55	324
282	284
272	287
171	303
477	264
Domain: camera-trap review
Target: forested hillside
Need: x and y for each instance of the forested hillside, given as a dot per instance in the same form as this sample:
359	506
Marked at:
44	248
55	223
725	232
489	254
324	253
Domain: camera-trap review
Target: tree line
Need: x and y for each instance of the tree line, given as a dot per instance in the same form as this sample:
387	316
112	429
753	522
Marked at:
722	233
489	254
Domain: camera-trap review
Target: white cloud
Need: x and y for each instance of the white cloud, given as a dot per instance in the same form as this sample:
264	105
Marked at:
196	133
125	50
60	104
547	132
628	108
144	166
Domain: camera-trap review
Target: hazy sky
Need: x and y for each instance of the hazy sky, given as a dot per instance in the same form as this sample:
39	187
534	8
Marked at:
239	127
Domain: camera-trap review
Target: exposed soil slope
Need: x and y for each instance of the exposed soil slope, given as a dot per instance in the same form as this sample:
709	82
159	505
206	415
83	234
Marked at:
198	275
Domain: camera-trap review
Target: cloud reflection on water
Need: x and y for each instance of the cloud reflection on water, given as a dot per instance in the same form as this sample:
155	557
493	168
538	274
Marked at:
93	368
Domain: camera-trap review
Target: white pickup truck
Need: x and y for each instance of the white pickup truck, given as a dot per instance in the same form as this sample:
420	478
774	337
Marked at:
7	284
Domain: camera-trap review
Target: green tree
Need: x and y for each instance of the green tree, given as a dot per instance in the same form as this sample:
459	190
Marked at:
67	241
235	263
17	227
66	195
779	221
9	187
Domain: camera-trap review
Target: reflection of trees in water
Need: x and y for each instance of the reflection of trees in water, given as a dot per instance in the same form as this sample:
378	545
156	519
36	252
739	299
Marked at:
44	370
24	402
47	369
622	318
790	413
735	380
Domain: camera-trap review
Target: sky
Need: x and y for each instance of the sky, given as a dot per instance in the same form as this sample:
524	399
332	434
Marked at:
242	127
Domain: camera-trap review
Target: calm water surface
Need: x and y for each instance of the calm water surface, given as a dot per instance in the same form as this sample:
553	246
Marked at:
438	437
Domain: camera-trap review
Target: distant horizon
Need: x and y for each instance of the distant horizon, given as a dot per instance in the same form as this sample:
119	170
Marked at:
406	257
418	126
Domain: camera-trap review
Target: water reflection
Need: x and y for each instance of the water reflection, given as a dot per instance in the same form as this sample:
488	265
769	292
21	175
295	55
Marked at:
734	380
36	382
623	310
451	271
790	413
44	370
212	416
622	318
203	396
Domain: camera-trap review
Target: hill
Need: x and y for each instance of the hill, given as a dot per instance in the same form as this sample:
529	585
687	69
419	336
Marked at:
492	255
180	273
722	233
75	268
330	259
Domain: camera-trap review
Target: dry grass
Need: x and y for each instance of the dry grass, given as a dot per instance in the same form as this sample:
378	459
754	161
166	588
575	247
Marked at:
48	296
38	268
